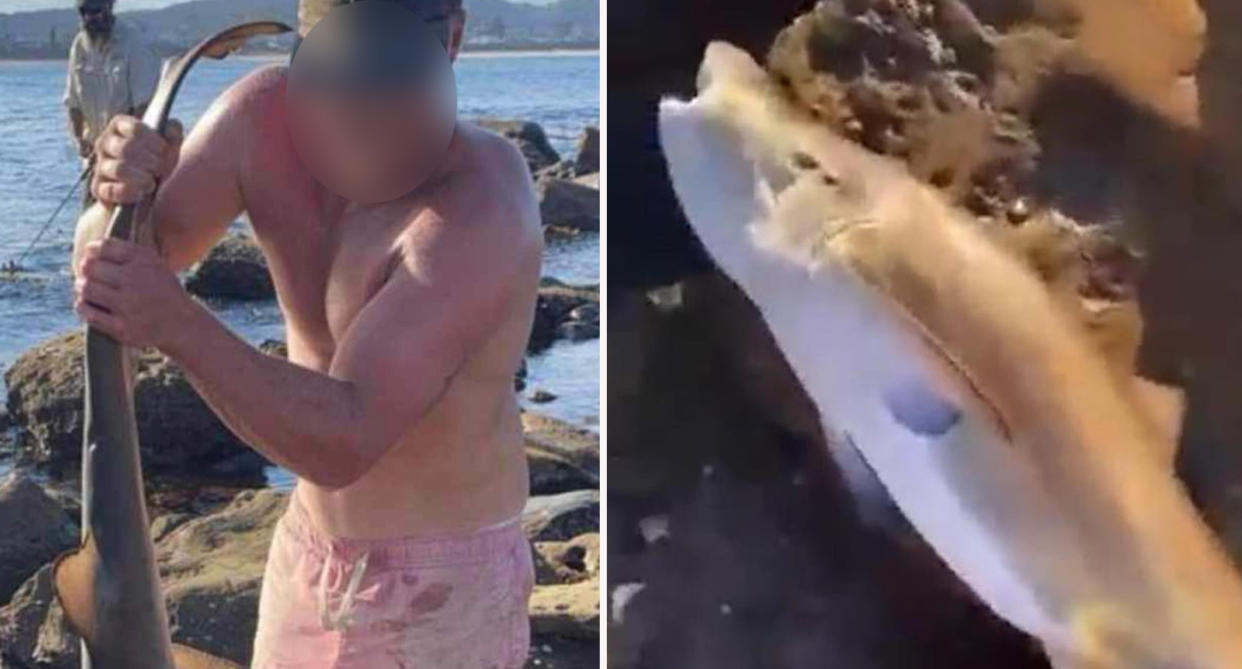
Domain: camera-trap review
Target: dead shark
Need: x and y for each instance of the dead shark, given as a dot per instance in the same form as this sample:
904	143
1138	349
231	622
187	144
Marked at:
986	413
108	586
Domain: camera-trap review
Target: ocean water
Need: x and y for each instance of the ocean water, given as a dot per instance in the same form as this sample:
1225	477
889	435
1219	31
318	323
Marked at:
38	165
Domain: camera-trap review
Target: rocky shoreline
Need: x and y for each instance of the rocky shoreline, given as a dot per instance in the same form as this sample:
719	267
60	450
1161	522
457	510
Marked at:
211	568
212	517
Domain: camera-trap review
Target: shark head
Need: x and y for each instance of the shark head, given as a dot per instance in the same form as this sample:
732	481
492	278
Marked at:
744	179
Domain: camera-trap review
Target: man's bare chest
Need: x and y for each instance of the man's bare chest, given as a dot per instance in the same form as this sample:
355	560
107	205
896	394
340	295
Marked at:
326	263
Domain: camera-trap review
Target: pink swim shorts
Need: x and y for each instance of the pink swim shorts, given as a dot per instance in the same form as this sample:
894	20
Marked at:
454	601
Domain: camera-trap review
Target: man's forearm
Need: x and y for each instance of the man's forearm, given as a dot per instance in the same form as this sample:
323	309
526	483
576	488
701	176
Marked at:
303	420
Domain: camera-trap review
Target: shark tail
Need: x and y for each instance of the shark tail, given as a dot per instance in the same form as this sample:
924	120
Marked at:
74	576
73	580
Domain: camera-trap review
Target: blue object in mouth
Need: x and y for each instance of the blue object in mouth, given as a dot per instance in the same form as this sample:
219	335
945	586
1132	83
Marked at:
921	410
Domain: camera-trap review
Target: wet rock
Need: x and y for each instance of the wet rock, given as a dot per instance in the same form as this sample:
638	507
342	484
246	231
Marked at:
189	497
35	530
582	323
588	152
541	396
22	621
564	170
177	431
551	474
166	523
553	652
566	611
530	139
568	208
275	347
558	304
211	569
562	562
576	445
519	379
561	517
234	269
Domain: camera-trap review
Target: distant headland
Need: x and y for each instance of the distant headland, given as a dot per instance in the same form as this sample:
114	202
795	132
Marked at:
493	25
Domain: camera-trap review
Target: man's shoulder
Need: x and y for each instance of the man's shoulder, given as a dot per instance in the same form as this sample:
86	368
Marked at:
263	83
491	167
76	46
485	200
495	152
255	94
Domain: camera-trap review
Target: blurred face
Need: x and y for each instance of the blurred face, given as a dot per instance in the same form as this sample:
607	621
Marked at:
372	103
97	17
374	145
439	16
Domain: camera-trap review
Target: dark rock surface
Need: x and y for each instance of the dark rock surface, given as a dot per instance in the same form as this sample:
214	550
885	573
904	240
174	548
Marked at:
568	611
560	304
576	445
561	562
551	474
552	652
561	517
587	161
541	396
234	269
178	432
211	569
22	625
34	528
567	207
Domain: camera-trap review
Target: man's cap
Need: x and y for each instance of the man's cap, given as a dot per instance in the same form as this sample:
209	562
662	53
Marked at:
370	43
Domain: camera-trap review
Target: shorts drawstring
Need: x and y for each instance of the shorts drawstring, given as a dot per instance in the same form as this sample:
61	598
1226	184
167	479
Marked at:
343	617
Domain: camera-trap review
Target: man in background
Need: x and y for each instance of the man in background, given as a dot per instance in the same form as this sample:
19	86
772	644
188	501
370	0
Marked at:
112	70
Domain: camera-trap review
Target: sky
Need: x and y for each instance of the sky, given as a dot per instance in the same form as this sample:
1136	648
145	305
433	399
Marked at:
8	6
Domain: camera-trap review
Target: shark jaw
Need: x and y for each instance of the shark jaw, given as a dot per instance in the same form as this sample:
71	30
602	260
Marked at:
983	412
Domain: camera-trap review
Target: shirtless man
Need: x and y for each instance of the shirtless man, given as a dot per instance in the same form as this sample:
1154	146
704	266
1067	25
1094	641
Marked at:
407	274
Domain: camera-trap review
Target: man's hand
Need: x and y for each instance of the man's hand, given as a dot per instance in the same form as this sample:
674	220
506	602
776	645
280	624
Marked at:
127	291
131	158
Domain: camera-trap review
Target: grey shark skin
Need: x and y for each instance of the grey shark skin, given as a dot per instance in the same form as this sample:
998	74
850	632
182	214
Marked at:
108	586
982	408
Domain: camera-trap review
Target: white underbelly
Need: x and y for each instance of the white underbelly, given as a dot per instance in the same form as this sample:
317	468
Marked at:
847	353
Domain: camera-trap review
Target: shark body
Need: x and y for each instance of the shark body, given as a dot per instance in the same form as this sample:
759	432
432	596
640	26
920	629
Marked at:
108	586
987	415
